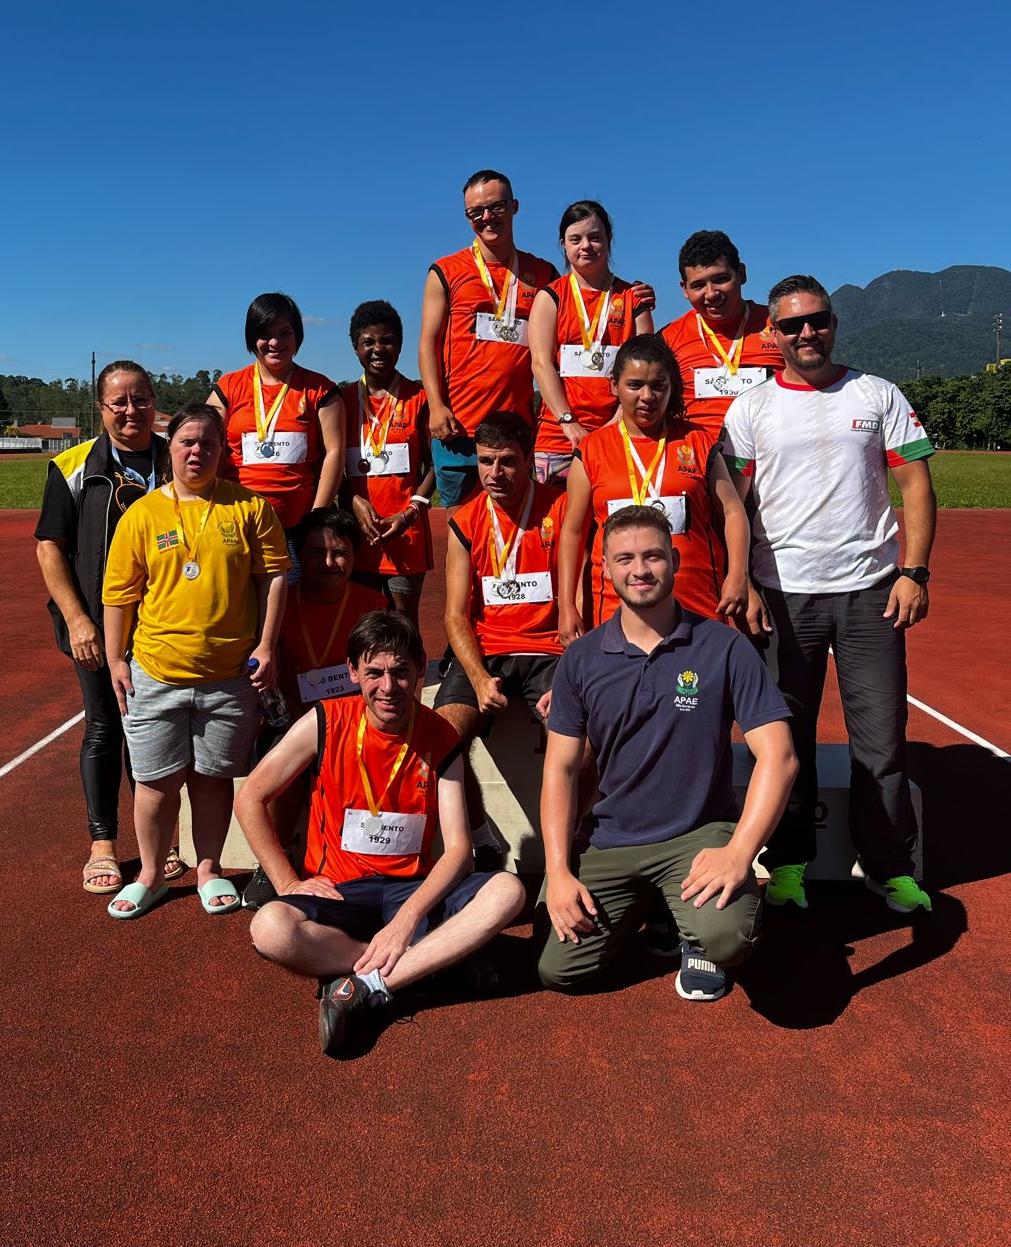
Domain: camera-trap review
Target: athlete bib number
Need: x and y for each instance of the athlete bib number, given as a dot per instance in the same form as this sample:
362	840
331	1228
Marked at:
383	834
598	361
281	448
530	587
325	682
721	383
487	328
675	508
393	460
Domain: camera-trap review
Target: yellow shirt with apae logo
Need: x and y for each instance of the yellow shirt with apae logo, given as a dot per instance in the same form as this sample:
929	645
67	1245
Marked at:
191	631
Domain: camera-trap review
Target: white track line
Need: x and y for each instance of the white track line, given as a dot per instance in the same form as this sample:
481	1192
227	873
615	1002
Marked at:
957	727
39	744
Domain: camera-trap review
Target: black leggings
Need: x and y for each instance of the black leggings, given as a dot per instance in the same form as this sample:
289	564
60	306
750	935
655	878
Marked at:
103	752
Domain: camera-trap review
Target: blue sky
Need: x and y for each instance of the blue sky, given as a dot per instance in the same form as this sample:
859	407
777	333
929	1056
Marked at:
168	162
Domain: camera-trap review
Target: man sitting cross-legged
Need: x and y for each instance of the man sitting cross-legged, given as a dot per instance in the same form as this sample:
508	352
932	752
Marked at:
376	911
655	690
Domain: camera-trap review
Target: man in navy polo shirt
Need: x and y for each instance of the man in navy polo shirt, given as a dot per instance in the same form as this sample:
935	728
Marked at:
655	690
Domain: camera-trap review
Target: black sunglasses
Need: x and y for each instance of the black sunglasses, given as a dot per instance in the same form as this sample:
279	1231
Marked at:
792	325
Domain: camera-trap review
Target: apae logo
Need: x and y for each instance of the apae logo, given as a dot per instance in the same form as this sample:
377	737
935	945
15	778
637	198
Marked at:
687	691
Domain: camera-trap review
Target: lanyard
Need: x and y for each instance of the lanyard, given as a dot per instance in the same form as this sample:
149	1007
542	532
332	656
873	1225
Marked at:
592	331
505	303
132	474
374	803
504	553
310	648
373	430
192	552
265	424
632	461
732	361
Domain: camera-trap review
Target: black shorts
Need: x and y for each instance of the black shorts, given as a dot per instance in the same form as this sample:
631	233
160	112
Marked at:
527	674
370	904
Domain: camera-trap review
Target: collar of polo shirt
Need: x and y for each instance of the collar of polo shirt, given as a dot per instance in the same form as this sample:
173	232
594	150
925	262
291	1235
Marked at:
614	640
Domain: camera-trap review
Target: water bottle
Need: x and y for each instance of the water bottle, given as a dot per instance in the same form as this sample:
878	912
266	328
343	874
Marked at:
272	702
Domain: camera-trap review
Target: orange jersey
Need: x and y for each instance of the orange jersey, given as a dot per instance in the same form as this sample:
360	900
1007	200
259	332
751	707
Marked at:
286	476
479	376
338	787
517	627
409	552
317	619
693	349
589	398
685	472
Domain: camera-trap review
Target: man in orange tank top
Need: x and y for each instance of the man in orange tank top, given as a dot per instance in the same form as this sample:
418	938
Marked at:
725	345
376	911
472	351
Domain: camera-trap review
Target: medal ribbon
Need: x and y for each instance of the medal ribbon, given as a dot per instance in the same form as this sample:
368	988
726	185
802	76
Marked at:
373	430
374	802
587	328
318	661
505	303
504	553
265	424
131	474
632	461
203	522
732	361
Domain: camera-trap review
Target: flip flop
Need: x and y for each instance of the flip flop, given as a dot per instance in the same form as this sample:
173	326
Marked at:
174	865
141	897
95	868
218	887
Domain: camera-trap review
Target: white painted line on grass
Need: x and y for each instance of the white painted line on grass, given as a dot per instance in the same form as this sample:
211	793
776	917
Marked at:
957	727
39	744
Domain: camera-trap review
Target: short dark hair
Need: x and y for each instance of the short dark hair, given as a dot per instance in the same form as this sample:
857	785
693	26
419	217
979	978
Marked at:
329	519
264	310
582	210
799	283
121	365
502	427
649	348
376	312
385	632
196	411
488	175
705	247
637	517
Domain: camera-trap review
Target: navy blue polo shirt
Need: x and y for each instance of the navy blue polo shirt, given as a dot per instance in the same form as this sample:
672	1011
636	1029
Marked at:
659	724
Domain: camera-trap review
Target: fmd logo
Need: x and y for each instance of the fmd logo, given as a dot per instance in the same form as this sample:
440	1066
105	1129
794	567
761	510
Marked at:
866	426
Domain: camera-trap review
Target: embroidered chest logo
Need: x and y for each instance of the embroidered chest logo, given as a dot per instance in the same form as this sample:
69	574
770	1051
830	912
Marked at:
861	425
423	773
229	532
617	313
687	691
303	415
687	462
547	533
166	541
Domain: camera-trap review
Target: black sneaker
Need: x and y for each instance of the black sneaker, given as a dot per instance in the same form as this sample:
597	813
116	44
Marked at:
488	857
699	978
660	934
338	999
258	891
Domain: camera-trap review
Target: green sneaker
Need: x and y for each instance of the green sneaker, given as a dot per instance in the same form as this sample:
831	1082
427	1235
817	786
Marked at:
786	884
902	893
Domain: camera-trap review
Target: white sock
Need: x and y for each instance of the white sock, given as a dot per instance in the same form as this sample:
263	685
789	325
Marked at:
483	836
374	980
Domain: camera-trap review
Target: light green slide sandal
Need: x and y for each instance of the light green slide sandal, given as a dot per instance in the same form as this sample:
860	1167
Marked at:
141	897
218	887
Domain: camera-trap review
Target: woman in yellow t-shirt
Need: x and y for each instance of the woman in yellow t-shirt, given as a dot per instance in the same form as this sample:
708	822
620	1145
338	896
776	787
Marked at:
194	590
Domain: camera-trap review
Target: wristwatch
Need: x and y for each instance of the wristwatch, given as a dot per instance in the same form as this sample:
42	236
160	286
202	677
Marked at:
919	575
566	418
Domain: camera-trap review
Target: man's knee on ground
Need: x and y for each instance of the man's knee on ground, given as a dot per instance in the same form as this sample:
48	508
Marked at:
561	973
730	946
273	927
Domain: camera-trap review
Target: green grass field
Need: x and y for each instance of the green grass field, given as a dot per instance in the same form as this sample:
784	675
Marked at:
962	479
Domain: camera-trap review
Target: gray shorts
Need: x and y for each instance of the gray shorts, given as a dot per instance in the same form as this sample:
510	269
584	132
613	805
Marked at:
170	727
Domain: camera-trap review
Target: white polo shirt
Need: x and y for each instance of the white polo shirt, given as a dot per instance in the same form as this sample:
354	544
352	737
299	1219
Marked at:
820	457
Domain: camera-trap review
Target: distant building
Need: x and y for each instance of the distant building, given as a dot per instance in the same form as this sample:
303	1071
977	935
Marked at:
993	367
53	436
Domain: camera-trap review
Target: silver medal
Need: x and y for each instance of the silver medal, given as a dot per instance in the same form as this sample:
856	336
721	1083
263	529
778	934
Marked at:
373	825
266	450
596	360
191	569
508	333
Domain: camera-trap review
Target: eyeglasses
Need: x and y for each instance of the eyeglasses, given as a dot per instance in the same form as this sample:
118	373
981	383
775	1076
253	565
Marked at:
121	408
793	325
499	208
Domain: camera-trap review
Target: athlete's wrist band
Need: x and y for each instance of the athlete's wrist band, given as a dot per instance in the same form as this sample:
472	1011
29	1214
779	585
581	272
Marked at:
425	502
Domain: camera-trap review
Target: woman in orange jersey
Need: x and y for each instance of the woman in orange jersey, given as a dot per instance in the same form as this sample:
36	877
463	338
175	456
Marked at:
577	324
389	471
284	425
652	456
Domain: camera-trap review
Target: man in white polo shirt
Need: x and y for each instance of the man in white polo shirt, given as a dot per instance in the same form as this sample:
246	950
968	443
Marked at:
814	446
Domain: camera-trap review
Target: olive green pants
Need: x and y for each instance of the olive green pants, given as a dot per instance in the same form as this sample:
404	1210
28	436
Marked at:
624	882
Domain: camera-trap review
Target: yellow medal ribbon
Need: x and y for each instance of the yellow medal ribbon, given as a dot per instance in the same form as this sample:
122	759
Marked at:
588	328
375	430
498	547
498	299
318	662
733	360
374	802
265	423
192	552
640	493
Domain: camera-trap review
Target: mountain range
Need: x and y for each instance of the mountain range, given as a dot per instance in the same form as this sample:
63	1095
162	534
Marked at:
906	324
